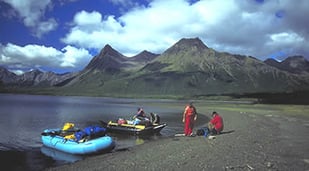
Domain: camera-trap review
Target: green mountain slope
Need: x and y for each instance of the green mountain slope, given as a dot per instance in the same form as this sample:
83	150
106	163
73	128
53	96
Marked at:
188	68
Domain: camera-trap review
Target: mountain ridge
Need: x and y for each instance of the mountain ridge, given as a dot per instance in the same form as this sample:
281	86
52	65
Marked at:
187	68
191	68
292	64
34	78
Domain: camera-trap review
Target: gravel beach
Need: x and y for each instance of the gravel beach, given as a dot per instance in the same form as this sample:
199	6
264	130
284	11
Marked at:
254	138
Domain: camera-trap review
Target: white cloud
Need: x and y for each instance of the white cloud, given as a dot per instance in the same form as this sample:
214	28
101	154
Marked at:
36	56
17	71
32	14
285	38
286	43
140	29
268	28
44	27
84	18
241	27
90	31
73	56
28	52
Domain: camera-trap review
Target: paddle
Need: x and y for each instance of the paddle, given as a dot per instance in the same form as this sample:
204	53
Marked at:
104	124
51	133
59	132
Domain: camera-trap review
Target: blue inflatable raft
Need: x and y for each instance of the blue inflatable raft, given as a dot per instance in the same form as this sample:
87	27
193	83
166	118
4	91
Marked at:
53	138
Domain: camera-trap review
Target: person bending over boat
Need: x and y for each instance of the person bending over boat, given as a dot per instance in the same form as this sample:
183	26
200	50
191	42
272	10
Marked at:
141	118
140	113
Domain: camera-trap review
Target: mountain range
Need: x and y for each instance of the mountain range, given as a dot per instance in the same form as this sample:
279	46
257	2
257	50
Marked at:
187	69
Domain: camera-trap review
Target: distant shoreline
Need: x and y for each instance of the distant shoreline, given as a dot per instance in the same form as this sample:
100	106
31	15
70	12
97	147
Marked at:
299	97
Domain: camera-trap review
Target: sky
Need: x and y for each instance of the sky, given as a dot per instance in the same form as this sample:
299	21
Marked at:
64	35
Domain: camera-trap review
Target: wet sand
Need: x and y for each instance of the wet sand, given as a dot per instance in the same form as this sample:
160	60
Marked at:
255	137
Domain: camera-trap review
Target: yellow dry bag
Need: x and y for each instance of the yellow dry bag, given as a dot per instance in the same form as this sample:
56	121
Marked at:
67	126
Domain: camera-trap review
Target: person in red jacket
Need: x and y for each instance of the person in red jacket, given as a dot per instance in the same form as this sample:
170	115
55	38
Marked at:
188	118
215	125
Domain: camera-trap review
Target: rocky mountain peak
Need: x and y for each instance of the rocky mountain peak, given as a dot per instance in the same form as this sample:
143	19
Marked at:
293	64
109	52
6	76
31	75
144	56
296	64
108	59
295	61
196	42
272	62
187	45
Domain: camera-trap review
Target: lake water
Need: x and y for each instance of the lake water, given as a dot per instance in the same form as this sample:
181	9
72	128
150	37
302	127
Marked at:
24	117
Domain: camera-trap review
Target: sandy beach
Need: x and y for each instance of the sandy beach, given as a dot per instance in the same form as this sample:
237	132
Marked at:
255	137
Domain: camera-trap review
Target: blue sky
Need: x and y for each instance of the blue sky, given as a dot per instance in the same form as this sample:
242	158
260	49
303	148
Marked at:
64	35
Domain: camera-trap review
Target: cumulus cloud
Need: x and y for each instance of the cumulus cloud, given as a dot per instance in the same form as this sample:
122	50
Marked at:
73	57
257	28
240	27
32	14
36	56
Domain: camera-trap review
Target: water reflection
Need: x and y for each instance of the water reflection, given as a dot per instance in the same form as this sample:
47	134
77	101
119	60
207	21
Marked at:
24	117
139	141
58	155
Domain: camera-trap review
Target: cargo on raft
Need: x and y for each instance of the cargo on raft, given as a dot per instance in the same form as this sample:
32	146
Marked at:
92	139
138	126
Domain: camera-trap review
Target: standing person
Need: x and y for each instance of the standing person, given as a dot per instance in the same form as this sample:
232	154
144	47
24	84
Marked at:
215	125
188	118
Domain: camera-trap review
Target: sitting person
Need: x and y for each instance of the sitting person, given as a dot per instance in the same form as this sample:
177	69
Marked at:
215	125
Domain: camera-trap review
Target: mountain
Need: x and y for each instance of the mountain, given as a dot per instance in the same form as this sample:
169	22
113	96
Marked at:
144	57
34	78
198	69
293	64
110	60
107	66
6	76
188	68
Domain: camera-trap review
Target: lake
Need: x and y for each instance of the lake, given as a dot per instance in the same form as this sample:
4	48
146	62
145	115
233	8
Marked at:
24	117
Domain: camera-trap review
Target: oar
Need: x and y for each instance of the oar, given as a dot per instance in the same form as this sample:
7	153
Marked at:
104	124
50	133
58	132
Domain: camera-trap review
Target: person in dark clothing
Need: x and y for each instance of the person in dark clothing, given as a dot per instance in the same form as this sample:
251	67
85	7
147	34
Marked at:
155	119
142	117
140	113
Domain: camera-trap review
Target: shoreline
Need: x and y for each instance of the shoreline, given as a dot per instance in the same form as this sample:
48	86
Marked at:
253	139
